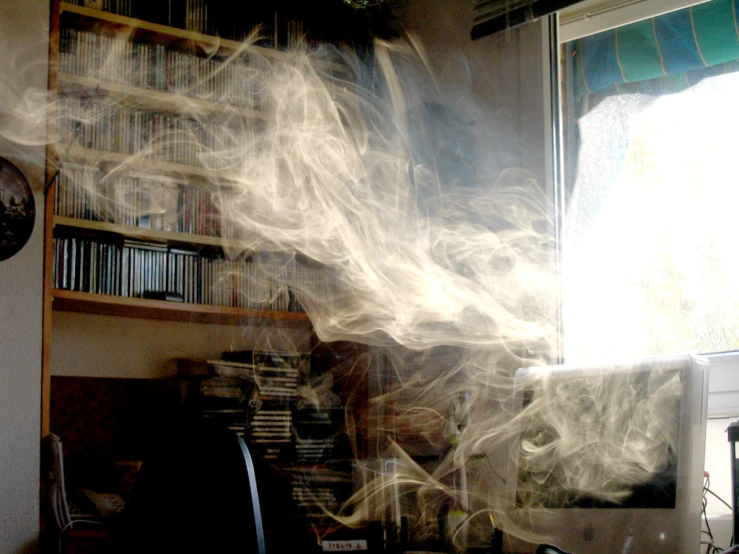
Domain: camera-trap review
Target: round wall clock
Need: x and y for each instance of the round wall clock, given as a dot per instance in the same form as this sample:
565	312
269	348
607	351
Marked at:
17	210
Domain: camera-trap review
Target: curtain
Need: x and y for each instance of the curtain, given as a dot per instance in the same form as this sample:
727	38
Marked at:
659	55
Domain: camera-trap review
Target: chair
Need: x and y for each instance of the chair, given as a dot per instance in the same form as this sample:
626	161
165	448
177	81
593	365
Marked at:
197	493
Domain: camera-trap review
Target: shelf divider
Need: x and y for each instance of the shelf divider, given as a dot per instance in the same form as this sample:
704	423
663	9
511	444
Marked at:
246	244
104	304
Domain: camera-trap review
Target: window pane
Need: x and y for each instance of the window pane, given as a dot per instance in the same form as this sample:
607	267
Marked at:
652	227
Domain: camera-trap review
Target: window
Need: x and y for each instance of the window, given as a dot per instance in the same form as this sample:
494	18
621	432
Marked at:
650	261
651	264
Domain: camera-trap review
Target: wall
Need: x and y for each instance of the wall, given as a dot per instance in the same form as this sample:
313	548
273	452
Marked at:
90	345
24	42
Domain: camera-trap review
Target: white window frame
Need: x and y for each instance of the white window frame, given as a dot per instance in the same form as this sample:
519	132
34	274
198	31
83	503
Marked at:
723	384
593	16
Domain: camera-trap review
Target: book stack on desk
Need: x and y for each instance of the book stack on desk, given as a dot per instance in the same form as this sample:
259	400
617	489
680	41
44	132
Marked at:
276	374
223	390
225	399
276	377
231	369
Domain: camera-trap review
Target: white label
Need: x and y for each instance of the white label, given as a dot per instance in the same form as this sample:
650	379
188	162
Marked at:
344	546
97	4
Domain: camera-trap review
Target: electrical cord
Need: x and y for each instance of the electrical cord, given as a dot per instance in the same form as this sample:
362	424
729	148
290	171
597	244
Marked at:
711	547
69	525
720	499
704	503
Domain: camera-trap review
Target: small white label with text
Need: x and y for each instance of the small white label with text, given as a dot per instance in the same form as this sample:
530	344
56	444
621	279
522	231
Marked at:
344	546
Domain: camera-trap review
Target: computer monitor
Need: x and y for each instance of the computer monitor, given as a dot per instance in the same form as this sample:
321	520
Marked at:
609	458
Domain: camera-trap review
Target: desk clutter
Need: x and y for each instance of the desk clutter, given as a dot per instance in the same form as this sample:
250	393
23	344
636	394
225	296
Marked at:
288	415
286	412
271	399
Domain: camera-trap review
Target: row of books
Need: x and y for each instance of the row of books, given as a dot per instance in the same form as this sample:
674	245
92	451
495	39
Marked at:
100	123
270	422
78	194
265	413
120	7
224	388
117	59
140	200
231	20
280	424
225	400
106	264
318	484
254	393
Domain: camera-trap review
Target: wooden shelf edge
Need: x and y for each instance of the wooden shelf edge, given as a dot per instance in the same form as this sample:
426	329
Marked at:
140	308
159	235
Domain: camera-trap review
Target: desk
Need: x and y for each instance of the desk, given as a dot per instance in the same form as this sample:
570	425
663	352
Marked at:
85	541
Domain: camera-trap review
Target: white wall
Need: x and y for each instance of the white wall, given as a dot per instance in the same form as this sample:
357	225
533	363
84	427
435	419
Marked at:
718	466
24	44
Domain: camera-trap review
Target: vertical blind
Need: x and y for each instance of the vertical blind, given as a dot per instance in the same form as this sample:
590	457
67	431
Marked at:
492	16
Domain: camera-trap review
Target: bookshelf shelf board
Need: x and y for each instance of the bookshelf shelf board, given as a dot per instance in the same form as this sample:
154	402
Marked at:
102	304
153	99
98	158
155	234
154	32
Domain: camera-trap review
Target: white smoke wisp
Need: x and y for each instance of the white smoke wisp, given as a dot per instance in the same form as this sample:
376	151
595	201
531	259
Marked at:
578	433
345	174
358	178
459	271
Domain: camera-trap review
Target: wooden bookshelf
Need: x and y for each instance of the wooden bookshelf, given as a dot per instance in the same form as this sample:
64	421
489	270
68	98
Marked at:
67	15
49	199
102	304
85	254
153	99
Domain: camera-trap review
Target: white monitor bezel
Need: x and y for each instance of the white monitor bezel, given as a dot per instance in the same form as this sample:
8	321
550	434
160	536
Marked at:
623	530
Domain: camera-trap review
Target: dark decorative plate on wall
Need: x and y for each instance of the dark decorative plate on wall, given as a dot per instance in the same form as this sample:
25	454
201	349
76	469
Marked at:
17	210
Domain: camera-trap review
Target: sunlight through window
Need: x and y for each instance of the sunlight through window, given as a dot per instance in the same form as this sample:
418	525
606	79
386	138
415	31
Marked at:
650	263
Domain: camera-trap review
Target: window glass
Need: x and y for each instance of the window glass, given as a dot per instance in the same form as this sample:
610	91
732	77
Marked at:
650	257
